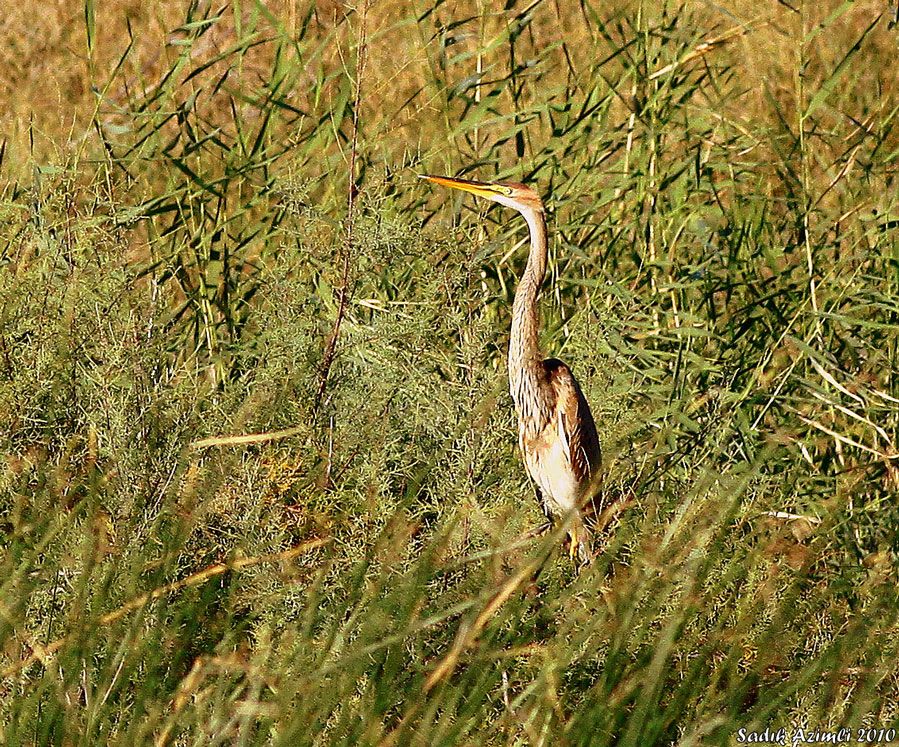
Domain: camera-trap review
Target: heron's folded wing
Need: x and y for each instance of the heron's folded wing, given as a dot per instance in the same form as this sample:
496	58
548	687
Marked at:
577	430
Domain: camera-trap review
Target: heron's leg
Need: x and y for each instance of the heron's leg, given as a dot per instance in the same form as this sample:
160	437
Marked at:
581	543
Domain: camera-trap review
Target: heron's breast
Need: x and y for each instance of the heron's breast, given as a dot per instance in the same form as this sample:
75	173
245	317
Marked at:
548	465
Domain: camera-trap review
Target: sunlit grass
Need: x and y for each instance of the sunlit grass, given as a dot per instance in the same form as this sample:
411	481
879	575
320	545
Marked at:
217	532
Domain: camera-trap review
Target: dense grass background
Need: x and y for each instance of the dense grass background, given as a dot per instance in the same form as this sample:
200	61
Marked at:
260	481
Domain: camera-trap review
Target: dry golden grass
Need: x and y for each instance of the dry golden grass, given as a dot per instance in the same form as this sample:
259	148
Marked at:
46	71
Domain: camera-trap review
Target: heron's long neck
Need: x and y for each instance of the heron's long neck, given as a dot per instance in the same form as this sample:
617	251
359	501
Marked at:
526	380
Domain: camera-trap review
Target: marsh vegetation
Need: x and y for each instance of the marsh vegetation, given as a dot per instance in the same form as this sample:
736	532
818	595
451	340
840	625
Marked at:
260	481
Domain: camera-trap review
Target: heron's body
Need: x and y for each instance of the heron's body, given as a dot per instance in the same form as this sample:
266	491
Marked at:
556	432
563	456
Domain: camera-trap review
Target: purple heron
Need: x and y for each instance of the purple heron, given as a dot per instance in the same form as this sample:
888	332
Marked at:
556	432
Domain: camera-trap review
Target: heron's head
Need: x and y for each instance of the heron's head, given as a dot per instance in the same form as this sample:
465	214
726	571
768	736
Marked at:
511	194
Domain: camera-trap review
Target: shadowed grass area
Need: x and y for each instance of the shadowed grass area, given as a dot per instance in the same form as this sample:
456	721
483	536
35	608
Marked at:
260	481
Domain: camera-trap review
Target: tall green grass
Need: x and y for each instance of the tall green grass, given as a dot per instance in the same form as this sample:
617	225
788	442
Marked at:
260	481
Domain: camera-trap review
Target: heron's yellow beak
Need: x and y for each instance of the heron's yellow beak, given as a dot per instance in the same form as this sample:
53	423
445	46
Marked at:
481	189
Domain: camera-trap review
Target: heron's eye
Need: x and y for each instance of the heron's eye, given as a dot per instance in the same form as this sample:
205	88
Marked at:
507	191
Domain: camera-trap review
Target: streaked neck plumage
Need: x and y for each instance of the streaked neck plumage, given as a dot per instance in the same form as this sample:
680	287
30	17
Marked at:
527	381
